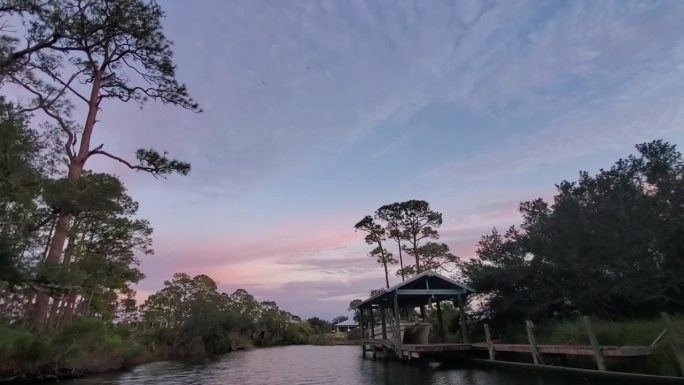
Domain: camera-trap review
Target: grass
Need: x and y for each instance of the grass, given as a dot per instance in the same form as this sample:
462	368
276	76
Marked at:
617	333
620	333
87	346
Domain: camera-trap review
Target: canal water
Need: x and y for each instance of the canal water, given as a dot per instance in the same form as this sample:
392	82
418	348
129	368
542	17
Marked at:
335	365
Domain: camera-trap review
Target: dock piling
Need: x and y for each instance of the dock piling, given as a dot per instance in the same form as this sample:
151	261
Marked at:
490	344
598	354
676	349
536	357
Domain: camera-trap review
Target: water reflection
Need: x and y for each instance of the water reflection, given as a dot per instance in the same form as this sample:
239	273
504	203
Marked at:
336	365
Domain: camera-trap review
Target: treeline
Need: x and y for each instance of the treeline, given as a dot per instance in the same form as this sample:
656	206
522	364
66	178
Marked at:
609	245
410	226
190	316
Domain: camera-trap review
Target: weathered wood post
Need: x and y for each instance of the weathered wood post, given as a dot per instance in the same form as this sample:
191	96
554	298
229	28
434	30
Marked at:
442	335
397	330
536	358
363	332
490	344
383	309
371	327
462	317
676	349
598	354
371	323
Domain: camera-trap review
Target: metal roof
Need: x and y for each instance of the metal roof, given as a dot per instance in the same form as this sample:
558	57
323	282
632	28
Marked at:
420	289
349	322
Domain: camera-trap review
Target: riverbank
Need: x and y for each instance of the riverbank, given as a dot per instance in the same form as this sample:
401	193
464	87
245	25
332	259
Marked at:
334	365
92	347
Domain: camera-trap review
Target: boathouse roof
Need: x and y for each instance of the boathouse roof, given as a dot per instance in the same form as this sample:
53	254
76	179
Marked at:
422	289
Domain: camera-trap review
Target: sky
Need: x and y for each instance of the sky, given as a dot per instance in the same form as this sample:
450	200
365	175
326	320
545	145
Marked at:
316	113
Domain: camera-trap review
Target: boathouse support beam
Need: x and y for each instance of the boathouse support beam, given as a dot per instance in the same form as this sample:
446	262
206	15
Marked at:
397	327
427	292
383	309
442	334
371	323
462	317
361	324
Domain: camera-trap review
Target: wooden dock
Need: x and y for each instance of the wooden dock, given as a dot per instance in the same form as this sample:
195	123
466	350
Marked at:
418	350
572	350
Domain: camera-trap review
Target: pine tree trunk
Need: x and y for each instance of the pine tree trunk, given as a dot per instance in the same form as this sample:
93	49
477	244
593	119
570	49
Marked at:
68	313
386	274
401	263
76	164
54	314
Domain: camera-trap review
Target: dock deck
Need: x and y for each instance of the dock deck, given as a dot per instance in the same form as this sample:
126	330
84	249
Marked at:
573	350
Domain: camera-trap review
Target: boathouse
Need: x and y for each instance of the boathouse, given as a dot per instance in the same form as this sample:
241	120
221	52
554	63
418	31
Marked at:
389	319
390	324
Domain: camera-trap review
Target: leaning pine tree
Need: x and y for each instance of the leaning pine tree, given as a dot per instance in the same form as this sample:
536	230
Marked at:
92	52
375	234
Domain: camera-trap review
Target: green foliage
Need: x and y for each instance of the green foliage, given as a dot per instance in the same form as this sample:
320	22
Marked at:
452	332
609	245
320	326
376	234
191	317
86	345
410	222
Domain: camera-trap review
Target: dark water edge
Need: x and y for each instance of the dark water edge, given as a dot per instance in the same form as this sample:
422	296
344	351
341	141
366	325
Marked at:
335	365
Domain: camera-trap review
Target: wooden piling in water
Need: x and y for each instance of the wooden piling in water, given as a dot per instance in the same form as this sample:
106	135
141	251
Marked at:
598	354
490	344
676	349
371	324
536	358
383	310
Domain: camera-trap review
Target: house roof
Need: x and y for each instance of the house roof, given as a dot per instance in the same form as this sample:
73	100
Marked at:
349	322
420	290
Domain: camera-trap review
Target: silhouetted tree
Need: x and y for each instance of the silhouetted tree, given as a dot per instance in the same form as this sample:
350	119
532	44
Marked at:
92	52
375	234
610	244
416	223
392	215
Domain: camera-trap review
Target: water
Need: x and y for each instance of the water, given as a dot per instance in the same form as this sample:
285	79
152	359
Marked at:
335	365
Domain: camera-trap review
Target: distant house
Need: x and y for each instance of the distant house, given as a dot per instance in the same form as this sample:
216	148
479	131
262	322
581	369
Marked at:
346	326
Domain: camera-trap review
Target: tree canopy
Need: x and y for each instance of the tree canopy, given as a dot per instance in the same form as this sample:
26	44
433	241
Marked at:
610	245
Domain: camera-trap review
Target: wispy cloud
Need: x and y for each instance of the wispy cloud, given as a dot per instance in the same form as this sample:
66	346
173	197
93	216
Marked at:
299	96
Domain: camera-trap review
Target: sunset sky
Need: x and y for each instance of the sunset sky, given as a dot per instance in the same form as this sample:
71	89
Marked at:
318	112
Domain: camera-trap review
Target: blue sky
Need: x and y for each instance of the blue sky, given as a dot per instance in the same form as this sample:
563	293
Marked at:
318	112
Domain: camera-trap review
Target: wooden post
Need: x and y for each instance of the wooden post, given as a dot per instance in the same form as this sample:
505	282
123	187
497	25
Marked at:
371	323
363	334
442	335
598	354
461	313
490	344
397	330
536	358
676	349
382	319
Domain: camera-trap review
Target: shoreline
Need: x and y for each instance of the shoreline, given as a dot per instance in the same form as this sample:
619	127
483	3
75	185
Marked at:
46	374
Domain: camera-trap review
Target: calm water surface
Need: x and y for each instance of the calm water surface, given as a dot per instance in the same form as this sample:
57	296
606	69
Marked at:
314	365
